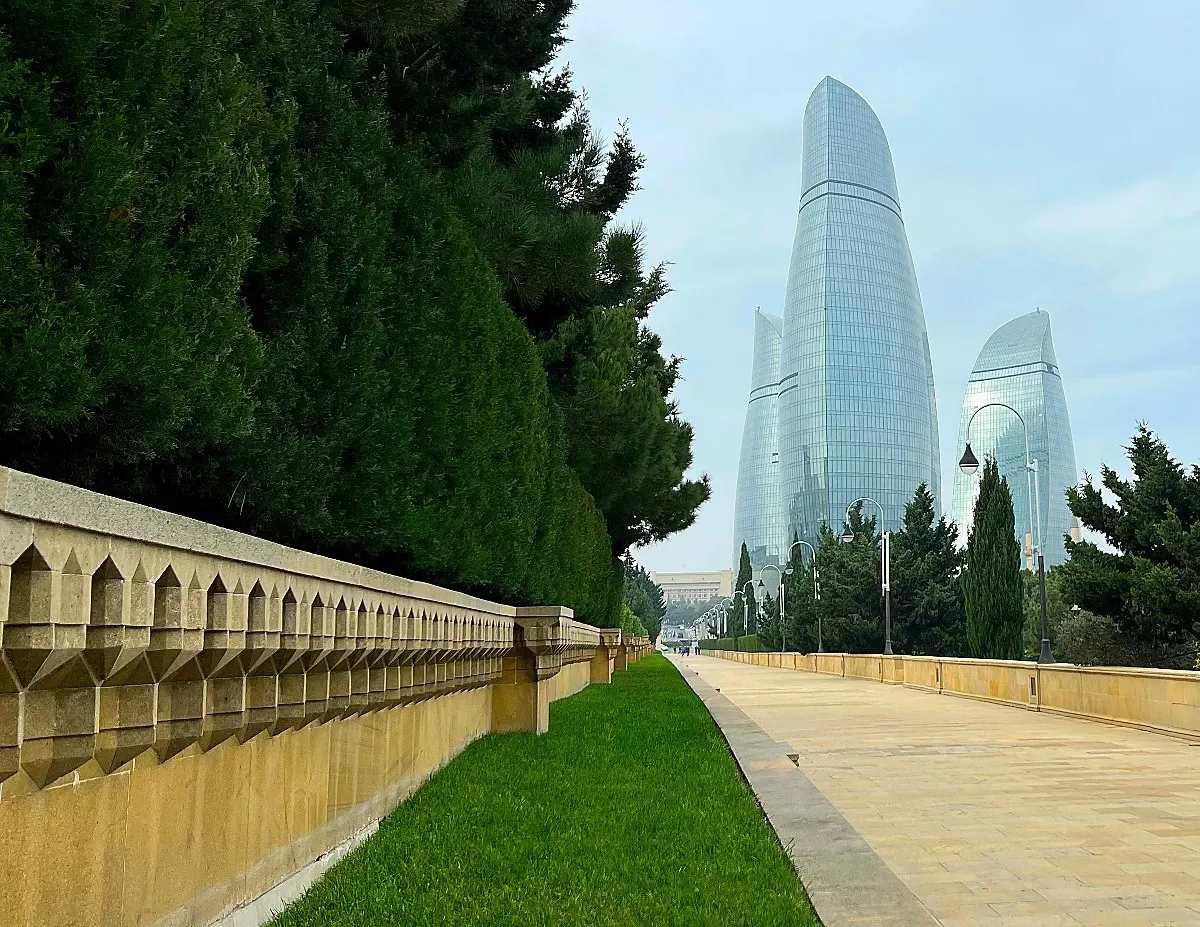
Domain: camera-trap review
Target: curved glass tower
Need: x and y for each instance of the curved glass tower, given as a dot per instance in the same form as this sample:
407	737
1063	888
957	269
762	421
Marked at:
856	406
1017	367
758	518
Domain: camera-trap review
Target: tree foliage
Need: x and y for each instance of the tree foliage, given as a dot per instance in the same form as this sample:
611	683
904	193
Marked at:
770	627
799	601
340	274
742	606
631	624
992	583
927	598
1150	587
851	605
644	597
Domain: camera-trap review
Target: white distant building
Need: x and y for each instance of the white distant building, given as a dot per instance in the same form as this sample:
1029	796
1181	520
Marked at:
694	588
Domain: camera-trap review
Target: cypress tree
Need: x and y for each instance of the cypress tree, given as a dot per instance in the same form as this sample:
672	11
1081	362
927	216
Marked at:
993	589
743	611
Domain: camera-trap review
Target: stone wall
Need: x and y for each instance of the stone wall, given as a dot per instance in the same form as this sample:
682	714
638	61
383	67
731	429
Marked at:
190	716
1167	701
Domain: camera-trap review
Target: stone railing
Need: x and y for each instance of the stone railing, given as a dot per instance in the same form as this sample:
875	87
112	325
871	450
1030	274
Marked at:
631	650
215	711
1166	701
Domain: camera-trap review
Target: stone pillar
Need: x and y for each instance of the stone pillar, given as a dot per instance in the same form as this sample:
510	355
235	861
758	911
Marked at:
605	656
118	637
621	656
44	640
221	662
316	660
264	629
520	701
337	705
176	639
295	627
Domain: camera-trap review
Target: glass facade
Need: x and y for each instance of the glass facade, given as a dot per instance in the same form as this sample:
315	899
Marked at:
856	404
1017	367
758	518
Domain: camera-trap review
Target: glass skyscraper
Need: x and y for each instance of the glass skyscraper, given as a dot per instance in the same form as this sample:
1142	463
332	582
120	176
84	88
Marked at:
856	405
1017	367
758	518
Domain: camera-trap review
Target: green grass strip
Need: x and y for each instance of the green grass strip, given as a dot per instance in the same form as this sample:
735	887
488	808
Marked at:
629	811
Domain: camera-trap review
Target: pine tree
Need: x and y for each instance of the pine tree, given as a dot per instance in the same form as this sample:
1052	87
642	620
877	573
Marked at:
851	606
927	597
993	588
801	623
741	615
769	629
644	597
1150	588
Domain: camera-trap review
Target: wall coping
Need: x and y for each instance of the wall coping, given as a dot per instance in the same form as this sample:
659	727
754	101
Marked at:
36	498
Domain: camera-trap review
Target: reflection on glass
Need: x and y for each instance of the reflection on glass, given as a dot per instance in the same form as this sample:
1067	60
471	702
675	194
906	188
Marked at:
856	406
1017	367
757	516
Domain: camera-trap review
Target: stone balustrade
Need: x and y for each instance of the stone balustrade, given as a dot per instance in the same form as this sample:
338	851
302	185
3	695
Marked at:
1167	701
184	665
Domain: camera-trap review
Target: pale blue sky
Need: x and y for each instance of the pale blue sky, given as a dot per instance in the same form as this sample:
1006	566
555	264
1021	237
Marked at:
1047	154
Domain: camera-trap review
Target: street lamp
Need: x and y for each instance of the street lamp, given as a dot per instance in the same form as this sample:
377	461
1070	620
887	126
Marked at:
816	588
885	571
725	605
782	622
969	464
746	606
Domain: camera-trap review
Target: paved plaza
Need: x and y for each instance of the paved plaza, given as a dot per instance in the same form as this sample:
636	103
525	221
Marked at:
991	814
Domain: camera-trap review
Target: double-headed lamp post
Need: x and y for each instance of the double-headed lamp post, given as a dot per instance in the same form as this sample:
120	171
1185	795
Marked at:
816	589
724	605
969	464
885	569
745	605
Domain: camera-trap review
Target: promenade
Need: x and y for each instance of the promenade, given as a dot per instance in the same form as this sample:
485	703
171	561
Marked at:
990	814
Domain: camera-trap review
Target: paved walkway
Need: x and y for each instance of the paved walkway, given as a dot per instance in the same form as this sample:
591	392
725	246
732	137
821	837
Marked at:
991	814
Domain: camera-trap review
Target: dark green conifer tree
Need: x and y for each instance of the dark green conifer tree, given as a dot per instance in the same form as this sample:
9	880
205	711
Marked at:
851	605
927	598
644	597
1150	588
741	615
993	588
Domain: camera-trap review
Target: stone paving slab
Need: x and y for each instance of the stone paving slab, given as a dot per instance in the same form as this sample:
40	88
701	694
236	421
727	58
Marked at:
990	814
847	882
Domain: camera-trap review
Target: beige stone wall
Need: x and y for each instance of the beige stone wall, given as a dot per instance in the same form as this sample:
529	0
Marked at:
922	672
189	716
1166	700
1011	682
1158	700
572	678
183	841
863	666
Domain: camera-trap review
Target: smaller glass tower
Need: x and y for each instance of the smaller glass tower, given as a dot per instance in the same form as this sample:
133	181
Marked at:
1017	367
758	517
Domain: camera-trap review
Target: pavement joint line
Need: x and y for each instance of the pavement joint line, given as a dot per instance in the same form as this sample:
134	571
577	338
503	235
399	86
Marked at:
848	883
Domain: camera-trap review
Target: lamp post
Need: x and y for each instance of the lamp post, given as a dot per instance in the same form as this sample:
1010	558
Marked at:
885	570
746	606
816	587
969	464
782	623
725	605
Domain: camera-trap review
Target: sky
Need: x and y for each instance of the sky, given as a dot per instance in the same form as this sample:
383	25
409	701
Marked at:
1047	155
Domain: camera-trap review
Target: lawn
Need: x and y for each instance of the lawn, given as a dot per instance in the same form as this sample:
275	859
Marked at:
629	811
